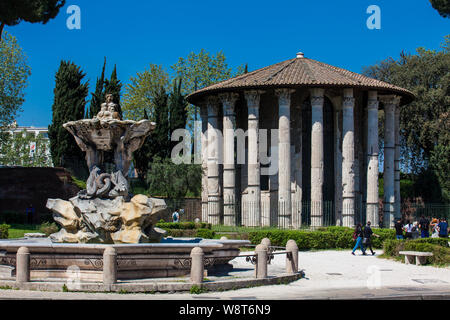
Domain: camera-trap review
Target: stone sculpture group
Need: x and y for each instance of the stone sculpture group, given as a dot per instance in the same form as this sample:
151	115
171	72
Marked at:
104	212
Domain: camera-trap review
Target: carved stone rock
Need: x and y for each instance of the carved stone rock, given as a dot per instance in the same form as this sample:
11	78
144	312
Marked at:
107	220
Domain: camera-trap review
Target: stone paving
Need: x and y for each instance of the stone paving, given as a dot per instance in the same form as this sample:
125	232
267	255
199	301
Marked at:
328	275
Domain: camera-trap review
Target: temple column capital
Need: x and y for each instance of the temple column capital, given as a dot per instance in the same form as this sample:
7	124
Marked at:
253	97
284	95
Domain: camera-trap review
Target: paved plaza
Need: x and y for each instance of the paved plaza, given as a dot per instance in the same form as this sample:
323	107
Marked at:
328	275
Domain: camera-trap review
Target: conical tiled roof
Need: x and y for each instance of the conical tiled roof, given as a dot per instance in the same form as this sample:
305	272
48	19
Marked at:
301	72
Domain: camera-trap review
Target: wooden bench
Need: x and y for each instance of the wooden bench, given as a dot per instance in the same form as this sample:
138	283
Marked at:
420	257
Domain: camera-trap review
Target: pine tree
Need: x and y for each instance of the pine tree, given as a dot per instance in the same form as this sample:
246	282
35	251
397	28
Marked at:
114	87
98	97
177	109
69	104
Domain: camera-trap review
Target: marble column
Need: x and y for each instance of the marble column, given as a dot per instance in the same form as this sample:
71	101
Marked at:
297	170
348	159
204	117
389	103
337	117
398	203
213	161
284	157
372	159
317	157
253	202
229	170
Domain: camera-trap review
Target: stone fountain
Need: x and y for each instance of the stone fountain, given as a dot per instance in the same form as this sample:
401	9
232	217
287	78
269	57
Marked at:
105	212
105	215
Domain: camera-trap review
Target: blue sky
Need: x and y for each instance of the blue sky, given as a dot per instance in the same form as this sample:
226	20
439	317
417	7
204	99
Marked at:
135	33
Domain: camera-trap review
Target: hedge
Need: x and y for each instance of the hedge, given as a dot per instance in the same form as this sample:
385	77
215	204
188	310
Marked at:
439	248
189	233
183	225
4	231
187	229
323	238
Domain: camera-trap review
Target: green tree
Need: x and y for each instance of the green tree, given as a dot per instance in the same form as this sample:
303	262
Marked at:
174	181
140	92
424	123
199	70
143	156
98	97
160	137
177	109
12	12
17	150
442	6
14	73
114	87
68	105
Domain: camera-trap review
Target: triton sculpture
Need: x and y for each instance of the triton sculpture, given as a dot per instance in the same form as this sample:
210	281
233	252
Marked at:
104	211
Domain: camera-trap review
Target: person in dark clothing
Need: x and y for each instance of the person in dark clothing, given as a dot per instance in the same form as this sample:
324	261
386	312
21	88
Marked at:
398	229
358	235
367	237
30	213
424	225
443	228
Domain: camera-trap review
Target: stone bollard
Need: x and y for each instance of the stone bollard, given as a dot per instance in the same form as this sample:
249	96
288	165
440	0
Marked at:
109	266
266	242
23	265
197	265
223	238
292	261
261	261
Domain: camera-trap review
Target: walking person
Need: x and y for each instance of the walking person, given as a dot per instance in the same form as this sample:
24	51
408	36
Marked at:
408	230
434	228
176	216
424	225
358	236
443	228
398	230
367	239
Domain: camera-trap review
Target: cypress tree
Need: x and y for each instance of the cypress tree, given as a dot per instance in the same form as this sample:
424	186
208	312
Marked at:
68	105
98	97
114	87
161	135
142	156
177	110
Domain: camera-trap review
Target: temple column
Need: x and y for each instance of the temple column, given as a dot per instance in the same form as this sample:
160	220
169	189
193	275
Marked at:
204	117
348	159
389	103
398	203
213	161
317	157
253	212
229	173
297	170
337	117
372	159
284	157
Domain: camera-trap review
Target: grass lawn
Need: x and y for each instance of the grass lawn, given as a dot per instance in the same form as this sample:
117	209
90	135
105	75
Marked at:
18	230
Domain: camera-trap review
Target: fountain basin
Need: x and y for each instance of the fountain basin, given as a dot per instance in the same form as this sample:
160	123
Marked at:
134	261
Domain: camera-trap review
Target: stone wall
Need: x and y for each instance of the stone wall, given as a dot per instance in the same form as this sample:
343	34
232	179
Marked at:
20	187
